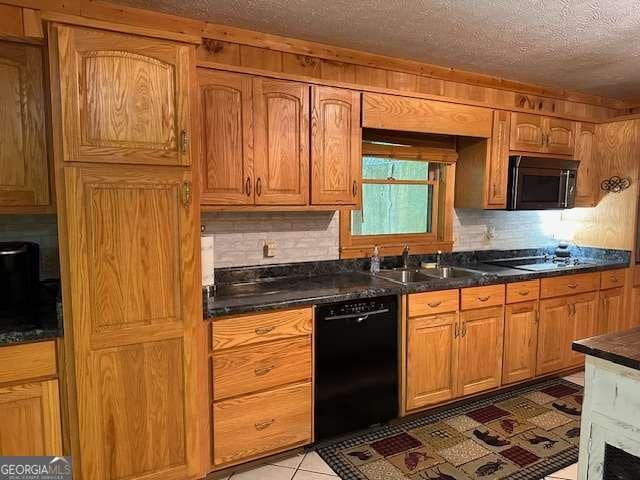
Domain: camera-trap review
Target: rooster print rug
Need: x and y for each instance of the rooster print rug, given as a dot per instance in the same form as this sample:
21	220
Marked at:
523	434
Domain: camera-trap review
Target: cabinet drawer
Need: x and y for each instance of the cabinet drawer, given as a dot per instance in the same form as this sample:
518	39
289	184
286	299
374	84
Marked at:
256	328
433	302
612	279
267	365
255	425
523	291
479	297
27	361
569	284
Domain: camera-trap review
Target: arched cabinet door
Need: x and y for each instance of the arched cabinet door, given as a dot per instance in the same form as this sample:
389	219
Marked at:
527	132
124	99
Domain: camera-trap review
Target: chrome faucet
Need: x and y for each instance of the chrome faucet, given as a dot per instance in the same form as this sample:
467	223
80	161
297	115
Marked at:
439	259
405	257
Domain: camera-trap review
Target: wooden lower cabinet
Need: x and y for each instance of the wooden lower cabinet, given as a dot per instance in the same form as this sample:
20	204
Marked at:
432	359
30	416
520	342
582	324
611	317
481	342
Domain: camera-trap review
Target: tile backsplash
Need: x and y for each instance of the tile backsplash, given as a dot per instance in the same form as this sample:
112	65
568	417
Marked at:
40	229
306	236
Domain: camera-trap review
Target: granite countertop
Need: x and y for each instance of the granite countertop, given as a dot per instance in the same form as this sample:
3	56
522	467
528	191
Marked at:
622	348
43	322
324	287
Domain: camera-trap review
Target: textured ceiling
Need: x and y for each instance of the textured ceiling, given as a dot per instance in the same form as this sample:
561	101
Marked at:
591	46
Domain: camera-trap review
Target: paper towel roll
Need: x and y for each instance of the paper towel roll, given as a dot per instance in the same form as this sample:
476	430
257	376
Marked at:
206	244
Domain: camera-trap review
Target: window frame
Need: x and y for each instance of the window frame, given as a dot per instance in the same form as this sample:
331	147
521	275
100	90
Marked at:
441	235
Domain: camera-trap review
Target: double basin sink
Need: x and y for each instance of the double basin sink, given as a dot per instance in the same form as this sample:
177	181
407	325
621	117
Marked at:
407	275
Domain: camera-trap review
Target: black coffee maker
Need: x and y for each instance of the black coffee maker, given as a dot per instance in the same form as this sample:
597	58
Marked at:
19	278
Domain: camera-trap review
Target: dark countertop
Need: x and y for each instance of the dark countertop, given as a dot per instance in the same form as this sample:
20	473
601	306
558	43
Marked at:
622	348
300	290
43	322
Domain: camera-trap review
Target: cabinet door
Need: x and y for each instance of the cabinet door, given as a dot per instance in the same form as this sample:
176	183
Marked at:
560	136
24	176
499	160
481	341
552	335
137	321
226	157
125	99
520	342
30	420
582	324
432	359
281	163
612	316
527	132
336	142
587	181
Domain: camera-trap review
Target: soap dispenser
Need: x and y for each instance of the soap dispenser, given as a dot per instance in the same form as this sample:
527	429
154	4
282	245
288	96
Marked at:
375	260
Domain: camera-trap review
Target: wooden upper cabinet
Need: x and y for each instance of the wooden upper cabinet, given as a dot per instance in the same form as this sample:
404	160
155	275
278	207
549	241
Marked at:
527	132
520	342
125	99
481	345
226	130
498	167
138	335
587	189
281	160
24	176
540	134
336	142
432	359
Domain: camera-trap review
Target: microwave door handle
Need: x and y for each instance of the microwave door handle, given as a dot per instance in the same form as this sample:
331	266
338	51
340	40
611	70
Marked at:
566	188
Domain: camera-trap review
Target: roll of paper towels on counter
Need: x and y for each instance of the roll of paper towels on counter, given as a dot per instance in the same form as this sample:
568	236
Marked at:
206	243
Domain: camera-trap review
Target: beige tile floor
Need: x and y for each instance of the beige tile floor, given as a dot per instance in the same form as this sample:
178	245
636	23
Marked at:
309	466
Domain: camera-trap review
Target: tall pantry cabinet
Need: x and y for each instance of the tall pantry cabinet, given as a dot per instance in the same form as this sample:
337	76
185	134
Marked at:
129	232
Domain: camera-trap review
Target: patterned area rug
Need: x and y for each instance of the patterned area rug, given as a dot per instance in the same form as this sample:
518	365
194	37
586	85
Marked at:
524	434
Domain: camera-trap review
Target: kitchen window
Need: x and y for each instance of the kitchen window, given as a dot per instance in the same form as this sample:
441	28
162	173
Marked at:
403	201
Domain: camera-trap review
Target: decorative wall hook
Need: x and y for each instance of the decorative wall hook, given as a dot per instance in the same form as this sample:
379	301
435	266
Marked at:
615	184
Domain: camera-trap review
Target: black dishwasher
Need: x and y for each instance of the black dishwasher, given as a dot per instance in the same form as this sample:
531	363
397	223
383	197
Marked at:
356	365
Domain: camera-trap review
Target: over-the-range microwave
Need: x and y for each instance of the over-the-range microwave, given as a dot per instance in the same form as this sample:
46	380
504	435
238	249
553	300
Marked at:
540	183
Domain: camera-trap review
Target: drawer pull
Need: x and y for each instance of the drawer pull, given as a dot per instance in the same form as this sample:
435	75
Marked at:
435	304
614	279
263	330
572	285
523	292
484	299
263	425
263	370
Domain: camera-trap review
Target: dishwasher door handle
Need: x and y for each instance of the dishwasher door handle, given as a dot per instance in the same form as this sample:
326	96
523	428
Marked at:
359	316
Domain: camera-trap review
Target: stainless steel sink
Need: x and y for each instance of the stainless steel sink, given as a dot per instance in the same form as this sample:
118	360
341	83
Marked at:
451	272
404	275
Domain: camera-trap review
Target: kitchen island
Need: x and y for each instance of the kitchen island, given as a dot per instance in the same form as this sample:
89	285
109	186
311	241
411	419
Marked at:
610	430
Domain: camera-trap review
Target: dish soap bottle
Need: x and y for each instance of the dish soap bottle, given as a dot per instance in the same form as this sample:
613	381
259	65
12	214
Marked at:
375	261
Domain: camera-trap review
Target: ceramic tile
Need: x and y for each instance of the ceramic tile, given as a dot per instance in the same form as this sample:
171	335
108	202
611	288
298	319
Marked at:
293	461
266	472
304	475
312	462
569	473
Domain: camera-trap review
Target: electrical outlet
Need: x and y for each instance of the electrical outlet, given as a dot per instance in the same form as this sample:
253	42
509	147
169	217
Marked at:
490	232
269	248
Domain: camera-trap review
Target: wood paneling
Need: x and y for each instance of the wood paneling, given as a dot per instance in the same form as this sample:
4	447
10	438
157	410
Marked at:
244	370
569	284
429	303
124	99
392	112
11	20
24	173
27	361
257	328
256	425
480	297
226	157
432	359
523	291
281	161
402	81
260	58
520	342
219	51
301	65
30	419
371	77
588	185
338	71
336	140
481	345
